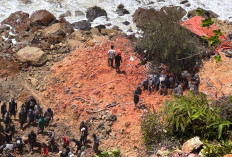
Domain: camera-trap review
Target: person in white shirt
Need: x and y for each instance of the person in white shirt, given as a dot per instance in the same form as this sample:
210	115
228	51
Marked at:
111	56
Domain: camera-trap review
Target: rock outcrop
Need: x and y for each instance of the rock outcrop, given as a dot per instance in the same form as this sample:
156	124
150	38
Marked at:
191	145
19	20
174	12
121	10
66	26
94	12
42	18
31	55
82	25
142	17
54	33
206	14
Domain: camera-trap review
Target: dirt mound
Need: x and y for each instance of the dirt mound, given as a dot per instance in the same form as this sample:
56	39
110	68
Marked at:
83	84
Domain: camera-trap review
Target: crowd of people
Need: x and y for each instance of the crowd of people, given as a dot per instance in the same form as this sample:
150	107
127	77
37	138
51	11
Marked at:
31	115
163	82
168	83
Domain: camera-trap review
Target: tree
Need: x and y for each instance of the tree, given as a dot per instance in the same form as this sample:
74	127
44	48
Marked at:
171	44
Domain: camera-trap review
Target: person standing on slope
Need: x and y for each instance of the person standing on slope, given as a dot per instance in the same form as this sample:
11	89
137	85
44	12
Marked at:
12	107
111	55
137	93
118	60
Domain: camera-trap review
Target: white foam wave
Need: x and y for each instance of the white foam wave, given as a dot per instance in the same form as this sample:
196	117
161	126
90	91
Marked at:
78	7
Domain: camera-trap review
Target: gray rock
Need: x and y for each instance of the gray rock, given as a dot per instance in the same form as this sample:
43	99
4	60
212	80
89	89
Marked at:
206	14
94	12
122	11
82	25
126	23
183	1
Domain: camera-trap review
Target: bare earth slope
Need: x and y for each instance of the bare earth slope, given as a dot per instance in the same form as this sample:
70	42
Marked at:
216	78
83	83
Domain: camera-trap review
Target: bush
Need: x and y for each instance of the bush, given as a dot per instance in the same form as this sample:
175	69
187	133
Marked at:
155	134
192	115
183	118
217	150
113	153
171	44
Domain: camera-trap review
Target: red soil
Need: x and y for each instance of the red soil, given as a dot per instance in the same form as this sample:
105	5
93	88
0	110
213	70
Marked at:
84	74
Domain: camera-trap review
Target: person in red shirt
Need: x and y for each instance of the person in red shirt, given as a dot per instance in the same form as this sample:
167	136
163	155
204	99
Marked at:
44	150
65	140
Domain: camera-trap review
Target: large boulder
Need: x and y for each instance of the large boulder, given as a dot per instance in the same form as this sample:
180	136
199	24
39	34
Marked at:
206	13
31	55
66	26
191	145
19	20
143	17
54	33
94	12
42	18
174	12
82	25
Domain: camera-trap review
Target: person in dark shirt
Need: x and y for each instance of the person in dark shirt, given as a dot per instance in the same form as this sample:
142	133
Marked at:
83	125
10	130
78	145
84	135
195	81
7	119
137	93
95	143
155	83
31	141
3	109
31	117
22	118
48	115
118	60
12	107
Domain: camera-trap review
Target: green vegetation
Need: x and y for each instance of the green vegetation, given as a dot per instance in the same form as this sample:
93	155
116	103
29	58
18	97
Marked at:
182	118
113	153
214	39
217	58
217	149
171	44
